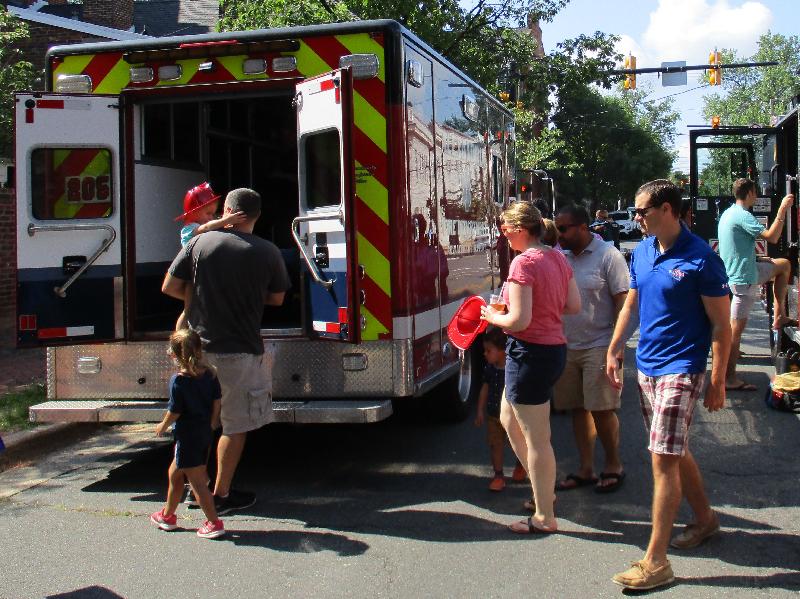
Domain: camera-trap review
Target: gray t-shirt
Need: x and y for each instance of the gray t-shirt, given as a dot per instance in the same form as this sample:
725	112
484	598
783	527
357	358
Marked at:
601	273
232	273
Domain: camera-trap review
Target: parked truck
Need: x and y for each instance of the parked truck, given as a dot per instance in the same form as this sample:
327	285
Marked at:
769	156
382	169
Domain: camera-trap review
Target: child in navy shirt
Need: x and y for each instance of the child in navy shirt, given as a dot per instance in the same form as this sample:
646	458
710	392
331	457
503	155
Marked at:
194	408
491	394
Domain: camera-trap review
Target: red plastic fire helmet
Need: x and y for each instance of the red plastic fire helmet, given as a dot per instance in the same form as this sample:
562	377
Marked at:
466	323
196	198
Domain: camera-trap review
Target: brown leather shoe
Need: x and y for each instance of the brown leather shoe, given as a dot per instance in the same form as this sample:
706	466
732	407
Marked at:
694	534
640	578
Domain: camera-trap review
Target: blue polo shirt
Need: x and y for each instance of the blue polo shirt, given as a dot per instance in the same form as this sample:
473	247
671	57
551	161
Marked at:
674	331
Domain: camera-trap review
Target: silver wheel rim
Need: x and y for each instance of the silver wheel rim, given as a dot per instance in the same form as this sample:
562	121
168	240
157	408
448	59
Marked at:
465	377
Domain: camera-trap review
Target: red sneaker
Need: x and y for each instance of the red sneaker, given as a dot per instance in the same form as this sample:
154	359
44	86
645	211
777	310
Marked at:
519	474
164	522
498	483
211	530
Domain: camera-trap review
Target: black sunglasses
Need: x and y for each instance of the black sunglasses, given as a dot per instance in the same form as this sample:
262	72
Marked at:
642	212
564	228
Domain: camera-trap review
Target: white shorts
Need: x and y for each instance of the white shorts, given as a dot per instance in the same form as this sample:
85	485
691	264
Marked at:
744	296
246	381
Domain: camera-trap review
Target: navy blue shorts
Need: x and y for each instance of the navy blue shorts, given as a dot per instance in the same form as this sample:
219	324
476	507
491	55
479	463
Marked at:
190	453
532	370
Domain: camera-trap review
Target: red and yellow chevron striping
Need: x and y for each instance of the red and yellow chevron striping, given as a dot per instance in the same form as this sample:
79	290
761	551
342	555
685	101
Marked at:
111	74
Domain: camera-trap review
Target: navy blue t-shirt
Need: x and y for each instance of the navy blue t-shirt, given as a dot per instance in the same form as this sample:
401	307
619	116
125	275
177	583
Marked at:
674	330
193	398
496	379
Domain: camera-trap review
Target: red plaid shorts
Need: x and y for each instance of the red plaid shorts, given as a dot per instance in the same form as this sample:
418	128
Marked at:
668	403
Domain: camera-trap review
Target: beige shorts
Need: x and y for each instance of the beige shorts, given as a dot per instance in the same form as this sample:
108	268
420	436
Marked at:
246	381
584	383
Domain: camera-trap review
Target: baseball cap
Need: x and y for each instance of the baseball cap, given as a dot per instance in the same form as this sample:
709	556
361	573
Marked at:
466	323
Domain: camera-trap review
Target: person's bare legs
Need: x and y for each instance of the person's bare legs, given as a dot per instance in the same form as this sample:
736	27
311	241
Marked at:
198	479
175	491
583	429
607	425
737	330
780	287
229	452
666	500
694	490
534	422
496	452
515	437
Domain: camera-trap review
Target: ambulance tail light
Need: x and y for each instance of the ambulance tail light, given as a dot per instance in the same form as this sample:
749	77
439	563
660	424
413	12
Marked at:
364	66
284	64
73	84
170	72
254	66
141	74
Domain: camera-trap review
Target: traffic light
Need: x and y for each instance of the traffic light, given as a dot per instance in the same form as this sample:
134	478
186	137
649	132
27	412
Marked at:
630	78
715	122
715	72
526	192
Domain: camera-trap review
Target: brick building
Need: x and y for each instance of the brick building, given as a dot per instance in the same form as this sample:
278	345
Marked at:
57	22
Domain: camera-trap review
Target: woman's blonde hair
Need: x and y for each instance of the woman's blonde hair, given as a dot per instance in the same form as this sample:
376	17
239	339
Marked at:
524	215
186	347
550	236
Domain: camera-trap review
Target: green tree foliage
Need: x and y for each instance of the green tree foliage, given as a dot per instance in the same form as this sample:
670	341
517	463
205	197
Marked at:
755	95
15	75
601	147
617	143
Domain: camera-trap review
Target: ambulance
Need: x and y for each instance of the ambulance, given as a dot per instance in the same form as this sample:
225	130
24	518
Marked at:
382	167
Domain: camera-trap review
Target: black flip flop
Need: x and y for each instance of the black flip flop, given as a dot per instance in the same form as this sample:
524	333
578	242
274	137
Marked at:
579	482
532	530
617	478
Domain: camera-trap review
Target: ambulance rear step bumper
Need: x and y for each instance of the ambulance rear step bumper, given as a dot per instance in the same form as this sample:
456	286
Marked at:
295	412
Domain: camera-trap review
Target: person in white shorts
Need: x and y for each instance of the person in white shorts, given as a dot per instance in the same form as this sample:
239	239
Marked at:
738	231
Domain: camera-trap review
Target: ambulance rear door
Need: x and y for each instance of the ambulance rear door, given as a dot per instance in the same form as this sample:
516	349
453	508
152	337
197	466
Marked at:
69	272
325	230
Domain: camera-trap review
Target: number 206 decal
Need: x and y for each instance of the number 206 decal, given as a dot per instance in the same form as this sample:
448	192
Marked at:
88	189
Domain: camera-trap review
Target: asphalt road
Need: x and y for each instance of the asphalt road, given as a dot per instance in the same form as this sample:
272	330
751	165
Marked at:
401	509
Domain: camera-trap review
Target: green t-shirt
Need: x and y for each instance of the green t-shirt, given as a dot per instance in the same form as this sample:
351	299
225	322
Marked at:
738	231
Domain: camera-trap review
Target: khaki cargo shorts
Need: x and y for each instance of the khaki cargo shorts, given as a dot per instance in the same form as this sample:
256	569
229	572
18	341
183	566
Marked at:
246	381
584	383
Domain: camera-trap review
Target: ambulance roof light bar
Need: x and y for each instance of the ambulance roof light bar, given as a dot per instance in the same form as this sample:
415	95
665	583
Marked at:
210	50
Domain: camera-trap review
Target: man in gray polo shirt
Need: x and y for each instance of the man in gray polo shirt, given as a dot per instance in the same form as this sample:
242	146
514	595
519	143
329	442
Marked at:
603	280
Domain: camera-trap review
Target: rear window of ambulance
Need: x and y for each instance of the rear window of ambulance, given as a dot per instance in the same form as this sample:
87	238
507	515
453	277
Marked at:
71	183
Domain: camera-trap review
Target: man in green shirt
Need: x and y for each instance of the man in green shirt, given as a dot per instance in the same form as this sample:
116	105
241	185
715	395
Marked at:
738	231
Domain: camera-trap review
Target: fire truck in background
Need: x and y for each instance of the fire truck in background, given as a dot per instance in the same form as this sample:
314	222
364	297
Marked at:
768	155
382	168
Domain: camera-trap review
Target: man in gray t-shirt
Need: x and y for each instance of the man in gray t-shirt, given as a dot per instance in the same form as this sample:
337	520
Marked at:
225	278
602	277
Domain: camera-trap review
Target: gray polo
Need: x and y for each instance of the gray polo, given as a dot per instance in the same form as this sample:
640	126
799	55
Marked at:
600	272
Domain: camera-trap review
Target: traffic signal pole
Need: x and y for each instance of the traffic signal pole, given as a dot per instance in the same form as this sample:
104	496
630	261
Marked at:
696	67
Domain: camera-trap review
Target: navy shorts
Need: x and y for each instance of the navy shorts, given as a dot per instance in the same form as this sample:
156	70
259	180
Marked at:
190	453
532	370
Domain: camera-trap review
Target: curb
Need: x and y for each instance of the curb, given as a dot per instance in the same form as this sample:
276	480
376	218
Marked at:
19	442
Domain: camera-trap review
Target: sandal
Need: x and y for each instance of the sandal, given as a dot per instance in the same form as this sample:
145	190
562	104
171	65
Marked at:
530	528
617	478
578	480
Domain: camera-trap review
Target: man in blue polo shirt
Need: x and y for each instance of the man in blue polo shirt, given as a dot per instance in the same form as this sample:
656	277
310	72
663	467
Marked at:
680	291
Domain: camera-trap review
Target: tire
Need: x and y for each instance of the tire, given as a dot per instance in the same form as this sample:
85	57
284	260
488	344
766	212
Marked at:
456	395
